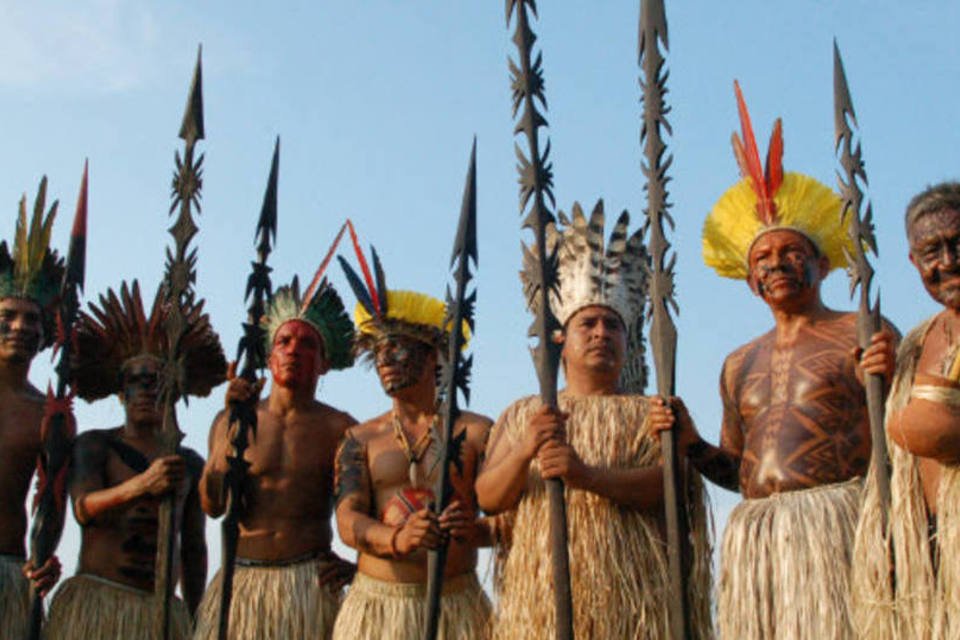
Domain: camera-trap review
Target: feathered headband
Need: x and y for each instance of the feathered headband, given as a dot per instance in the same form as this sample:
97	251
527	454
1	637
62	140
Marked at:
383	312
590	273
119	329
766	199
320	307
34	271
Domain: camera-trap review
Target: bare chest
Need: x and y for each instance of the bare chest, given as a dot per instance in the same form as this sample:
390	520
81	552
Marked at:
293	450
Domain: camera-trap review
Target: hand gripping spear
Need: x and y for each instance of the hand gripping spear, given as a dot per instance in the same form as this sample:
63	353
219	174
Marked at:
455	376
861	273
59	427
179	277
663	331
252	350
540	265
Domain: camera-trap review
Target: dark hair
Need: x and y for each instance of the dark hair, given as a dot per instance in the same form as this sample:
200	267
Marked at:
935	198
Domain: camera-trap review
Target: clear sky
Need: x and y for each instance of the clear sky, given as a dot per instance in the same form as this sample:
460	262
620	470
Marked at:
376	103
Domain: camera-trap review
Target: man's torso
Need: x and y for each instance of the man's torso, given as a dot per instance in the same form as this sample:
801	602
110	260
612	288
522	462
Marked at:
19	446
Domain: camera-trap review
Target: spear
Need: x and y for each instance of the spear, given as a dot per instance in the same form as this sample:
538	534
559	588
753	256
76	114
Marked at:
58	427
862	238
179	276
663	331
252	350
536	188
454	376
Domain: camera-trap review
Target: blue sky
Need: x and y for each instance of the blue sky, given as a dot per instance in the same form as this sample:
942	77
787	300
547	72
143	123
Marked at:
376	103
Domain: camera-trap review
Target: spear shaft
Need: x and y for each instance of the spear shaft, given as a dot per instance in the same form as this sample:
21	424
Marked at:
861	233
252	352
536	187
455	376
178	280
60	425
663	331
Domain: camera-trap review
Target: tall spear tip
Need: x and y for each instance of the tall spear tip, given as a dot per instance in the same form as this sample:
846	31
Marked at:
465	245
653	22
192	125
842	102
76	254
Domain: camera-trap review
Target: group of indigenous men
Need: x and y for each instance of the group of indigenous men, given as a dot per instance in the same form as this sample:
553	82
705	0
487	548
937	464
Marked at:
801	555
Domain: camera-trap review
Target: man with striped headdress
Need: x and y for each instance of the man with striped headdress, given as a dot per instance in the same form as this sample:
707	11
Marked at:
288	583
795	437
118	478
600	444
386	468
29	285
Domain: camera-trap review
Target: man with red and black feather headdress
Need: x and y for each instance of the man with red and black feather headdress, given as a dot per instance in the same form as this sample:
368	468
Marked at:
118	478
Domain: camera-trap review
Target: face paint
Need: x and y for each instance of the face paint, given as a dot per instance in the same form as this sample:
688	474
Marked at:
140	390
297	357
783	265
935	251
21	329
400	361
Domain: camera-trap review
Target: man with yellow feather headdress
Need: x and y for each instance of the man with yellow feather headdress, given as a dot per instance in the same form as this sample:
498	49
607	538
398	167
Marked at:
795	437
29	286
386	468
600	443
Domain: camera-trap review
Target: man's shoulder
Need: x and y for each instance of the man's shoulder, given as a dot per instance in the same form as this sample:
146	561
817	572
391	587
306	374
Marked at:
470	419
333	415
367	430
193	459
93	442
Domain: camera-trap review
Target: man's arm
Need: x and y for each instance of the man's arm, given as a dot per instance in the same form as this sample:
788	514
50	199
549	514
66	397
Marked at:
503	476
211	492
87	479
193	542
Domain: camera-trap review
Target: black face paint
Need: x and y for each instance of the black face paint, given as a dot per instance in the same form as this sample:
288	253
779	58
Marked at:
399	361
140	383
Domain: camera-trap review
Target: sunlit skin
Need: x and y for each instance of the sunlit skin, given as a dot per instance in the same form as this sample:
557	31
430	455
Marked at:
116	505
21	331
594	347
288	493
372	470
934	240
794	405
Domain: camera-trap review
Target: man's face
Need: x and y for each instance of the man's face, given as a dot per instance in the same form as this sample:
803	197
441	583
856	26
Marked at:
402	361
21	329
140	391
786	269
934	246
297	357
595	339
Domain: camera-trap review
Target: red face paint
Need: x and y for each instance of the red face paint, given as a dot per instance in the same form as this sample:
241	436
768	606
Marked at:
297	356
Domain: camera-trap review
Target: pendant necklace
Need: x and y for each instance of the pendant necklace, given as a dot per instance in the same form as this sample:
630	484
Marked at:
417	451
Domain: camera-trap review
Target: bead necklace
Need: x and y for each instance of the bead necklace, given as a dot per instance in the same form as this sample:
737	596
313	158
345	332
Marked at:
418	451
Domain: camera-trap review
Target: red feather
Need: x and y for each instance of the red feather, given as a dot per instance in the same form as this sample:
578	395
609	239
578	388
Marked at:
365	268
750	155
315	283
775	159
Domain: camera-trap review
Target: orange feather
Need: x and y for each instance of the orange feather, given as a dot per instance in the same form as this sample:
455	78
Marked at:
775	159
365	268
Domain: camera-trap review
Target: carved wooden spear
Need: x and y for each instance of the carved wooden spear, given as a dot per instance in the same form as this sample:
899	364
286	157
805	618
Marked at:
663	331
540	265
252	350
455	376
59	426
179	277
861	273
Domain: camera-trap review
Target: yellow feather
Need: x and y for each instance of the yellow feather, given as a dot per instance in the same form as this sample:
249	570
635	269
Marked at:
410	307
803	203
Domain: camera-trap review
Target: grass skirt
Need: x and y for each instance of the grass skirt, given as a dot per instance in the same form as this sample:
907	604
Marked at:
272	603
785	565
618	561
14	598
926	604
88	607
375	609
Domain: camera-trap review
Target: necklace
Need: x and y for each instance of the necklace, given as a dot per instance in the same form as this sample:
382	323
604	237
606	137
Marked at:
416	452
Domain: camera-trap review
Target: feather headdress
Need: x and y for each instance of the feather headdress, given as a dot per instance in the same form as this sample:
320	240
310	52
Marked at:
323	310
33	271
765	199
383	312
590	273
118	329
